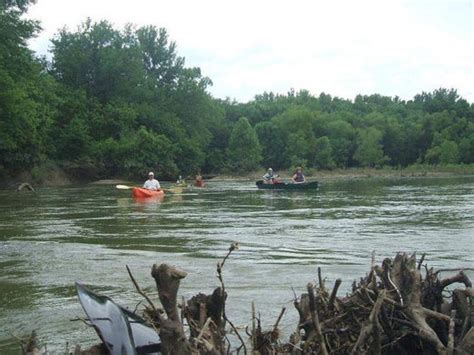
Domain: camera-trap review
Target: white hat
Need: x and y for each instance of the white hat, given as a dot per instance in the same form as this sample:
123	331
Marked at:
150	173
270	169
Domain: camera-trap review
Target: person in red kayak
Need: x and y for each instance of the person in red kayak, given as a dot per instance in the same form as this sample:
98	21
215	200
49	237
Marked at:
151	183
298	177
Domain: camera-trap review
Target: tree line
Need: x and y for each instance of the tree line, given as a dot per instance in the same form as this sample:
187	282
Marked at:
118	102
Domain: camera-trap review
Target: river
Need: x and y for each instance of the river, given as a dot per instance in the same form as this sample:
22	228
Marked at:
56	236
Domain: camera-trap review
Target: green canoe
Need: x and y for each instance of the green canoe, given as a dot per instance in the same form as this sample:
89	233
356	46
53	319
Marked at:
313	185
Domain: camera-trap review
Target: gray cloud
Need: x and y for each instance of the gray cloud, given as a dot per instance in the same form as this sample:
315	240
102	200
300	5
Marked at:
342	47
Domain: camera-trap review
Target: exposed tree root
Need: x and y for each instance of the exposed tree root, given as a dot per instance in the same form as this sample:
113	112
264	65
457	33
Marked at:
393	310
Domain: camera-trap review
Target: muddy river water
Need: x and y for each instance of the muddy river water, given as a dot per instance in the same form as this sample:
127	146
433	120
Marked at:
56	236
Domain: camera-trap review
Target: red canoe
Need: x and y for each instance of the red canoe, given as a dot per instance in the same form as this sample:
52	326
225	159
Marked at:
141	193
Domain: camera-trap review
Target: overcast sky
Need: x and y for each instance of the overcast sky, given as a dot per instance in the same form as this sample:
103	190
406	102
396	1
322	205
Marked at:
342	48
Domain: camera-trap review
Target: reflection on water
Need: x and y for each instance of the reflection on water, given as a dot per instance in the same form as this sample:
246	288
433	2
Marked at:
53	237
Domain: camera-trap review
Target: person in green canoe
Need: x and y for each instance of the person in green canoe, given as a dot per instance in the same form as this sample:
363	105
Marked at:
151	183
269	177
298	177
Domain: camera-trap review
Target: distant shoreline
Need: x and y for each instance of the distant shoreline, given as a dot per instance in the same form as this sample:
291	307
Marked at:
361	173
57	177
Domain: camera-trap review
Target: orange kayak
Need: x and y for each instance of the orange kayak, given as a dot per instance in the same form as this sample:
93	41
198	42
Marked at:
139	192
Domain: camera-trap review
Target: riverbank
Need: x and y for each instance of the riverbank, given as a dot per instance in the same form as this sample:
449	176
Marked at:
54	176
360	173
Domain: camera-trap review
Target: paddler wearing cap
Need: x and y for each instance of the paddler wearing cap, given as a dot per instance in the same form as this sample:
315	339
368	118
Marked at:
269	177
151	183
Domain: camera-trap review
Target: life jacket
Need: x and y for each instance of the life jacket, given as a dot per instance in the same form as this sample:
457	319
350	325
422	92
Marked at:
269	176
299	177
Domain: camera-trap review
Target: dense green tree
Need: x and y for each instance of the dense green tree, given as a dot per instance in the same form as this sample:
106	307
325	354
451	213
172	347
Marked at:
146	150
369	150
99	59
466	145
466	149
160	60
323	155
109	155
449	153
26	101
74	141
341	136
244	148
271	138
130	79
298	125
443	152
112	120
442	100
191	156
216	149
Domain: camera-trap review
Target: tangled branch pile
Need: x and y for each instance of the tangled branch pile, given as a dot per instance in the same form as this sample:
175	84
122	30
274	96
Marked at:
393	310
398	308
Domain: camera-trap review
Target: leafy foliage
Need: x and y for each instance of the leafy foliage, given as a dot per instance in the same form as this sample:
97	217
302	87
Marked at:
122	102
244	148
136	93
369	150
21	98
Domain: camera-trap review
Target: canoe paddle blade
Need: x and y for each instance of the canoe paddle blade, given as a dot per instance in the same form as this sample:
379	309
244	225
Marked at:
123	187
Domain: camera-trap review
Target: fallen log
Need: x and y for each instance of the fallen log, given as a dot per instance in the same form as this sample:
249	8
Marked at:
25	185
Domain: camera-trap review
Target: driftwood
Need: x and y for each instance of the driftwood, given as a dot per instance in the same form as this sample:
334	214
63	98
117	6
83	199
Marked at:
171	329
30	346
25	185
399	307
393	310
204	314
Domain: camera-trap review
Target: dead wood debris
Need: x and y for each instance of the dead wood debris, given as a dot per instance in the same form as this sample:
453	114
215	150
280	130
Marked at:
25	185
395	309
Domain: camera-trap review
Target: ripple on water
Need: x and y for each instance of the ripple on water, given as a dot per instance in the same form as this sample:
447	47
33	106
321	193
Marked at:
89	233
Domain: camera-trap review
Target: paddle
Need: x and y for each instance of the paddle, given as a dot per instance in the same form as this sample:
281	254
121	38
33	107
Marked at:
126	187
123	187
